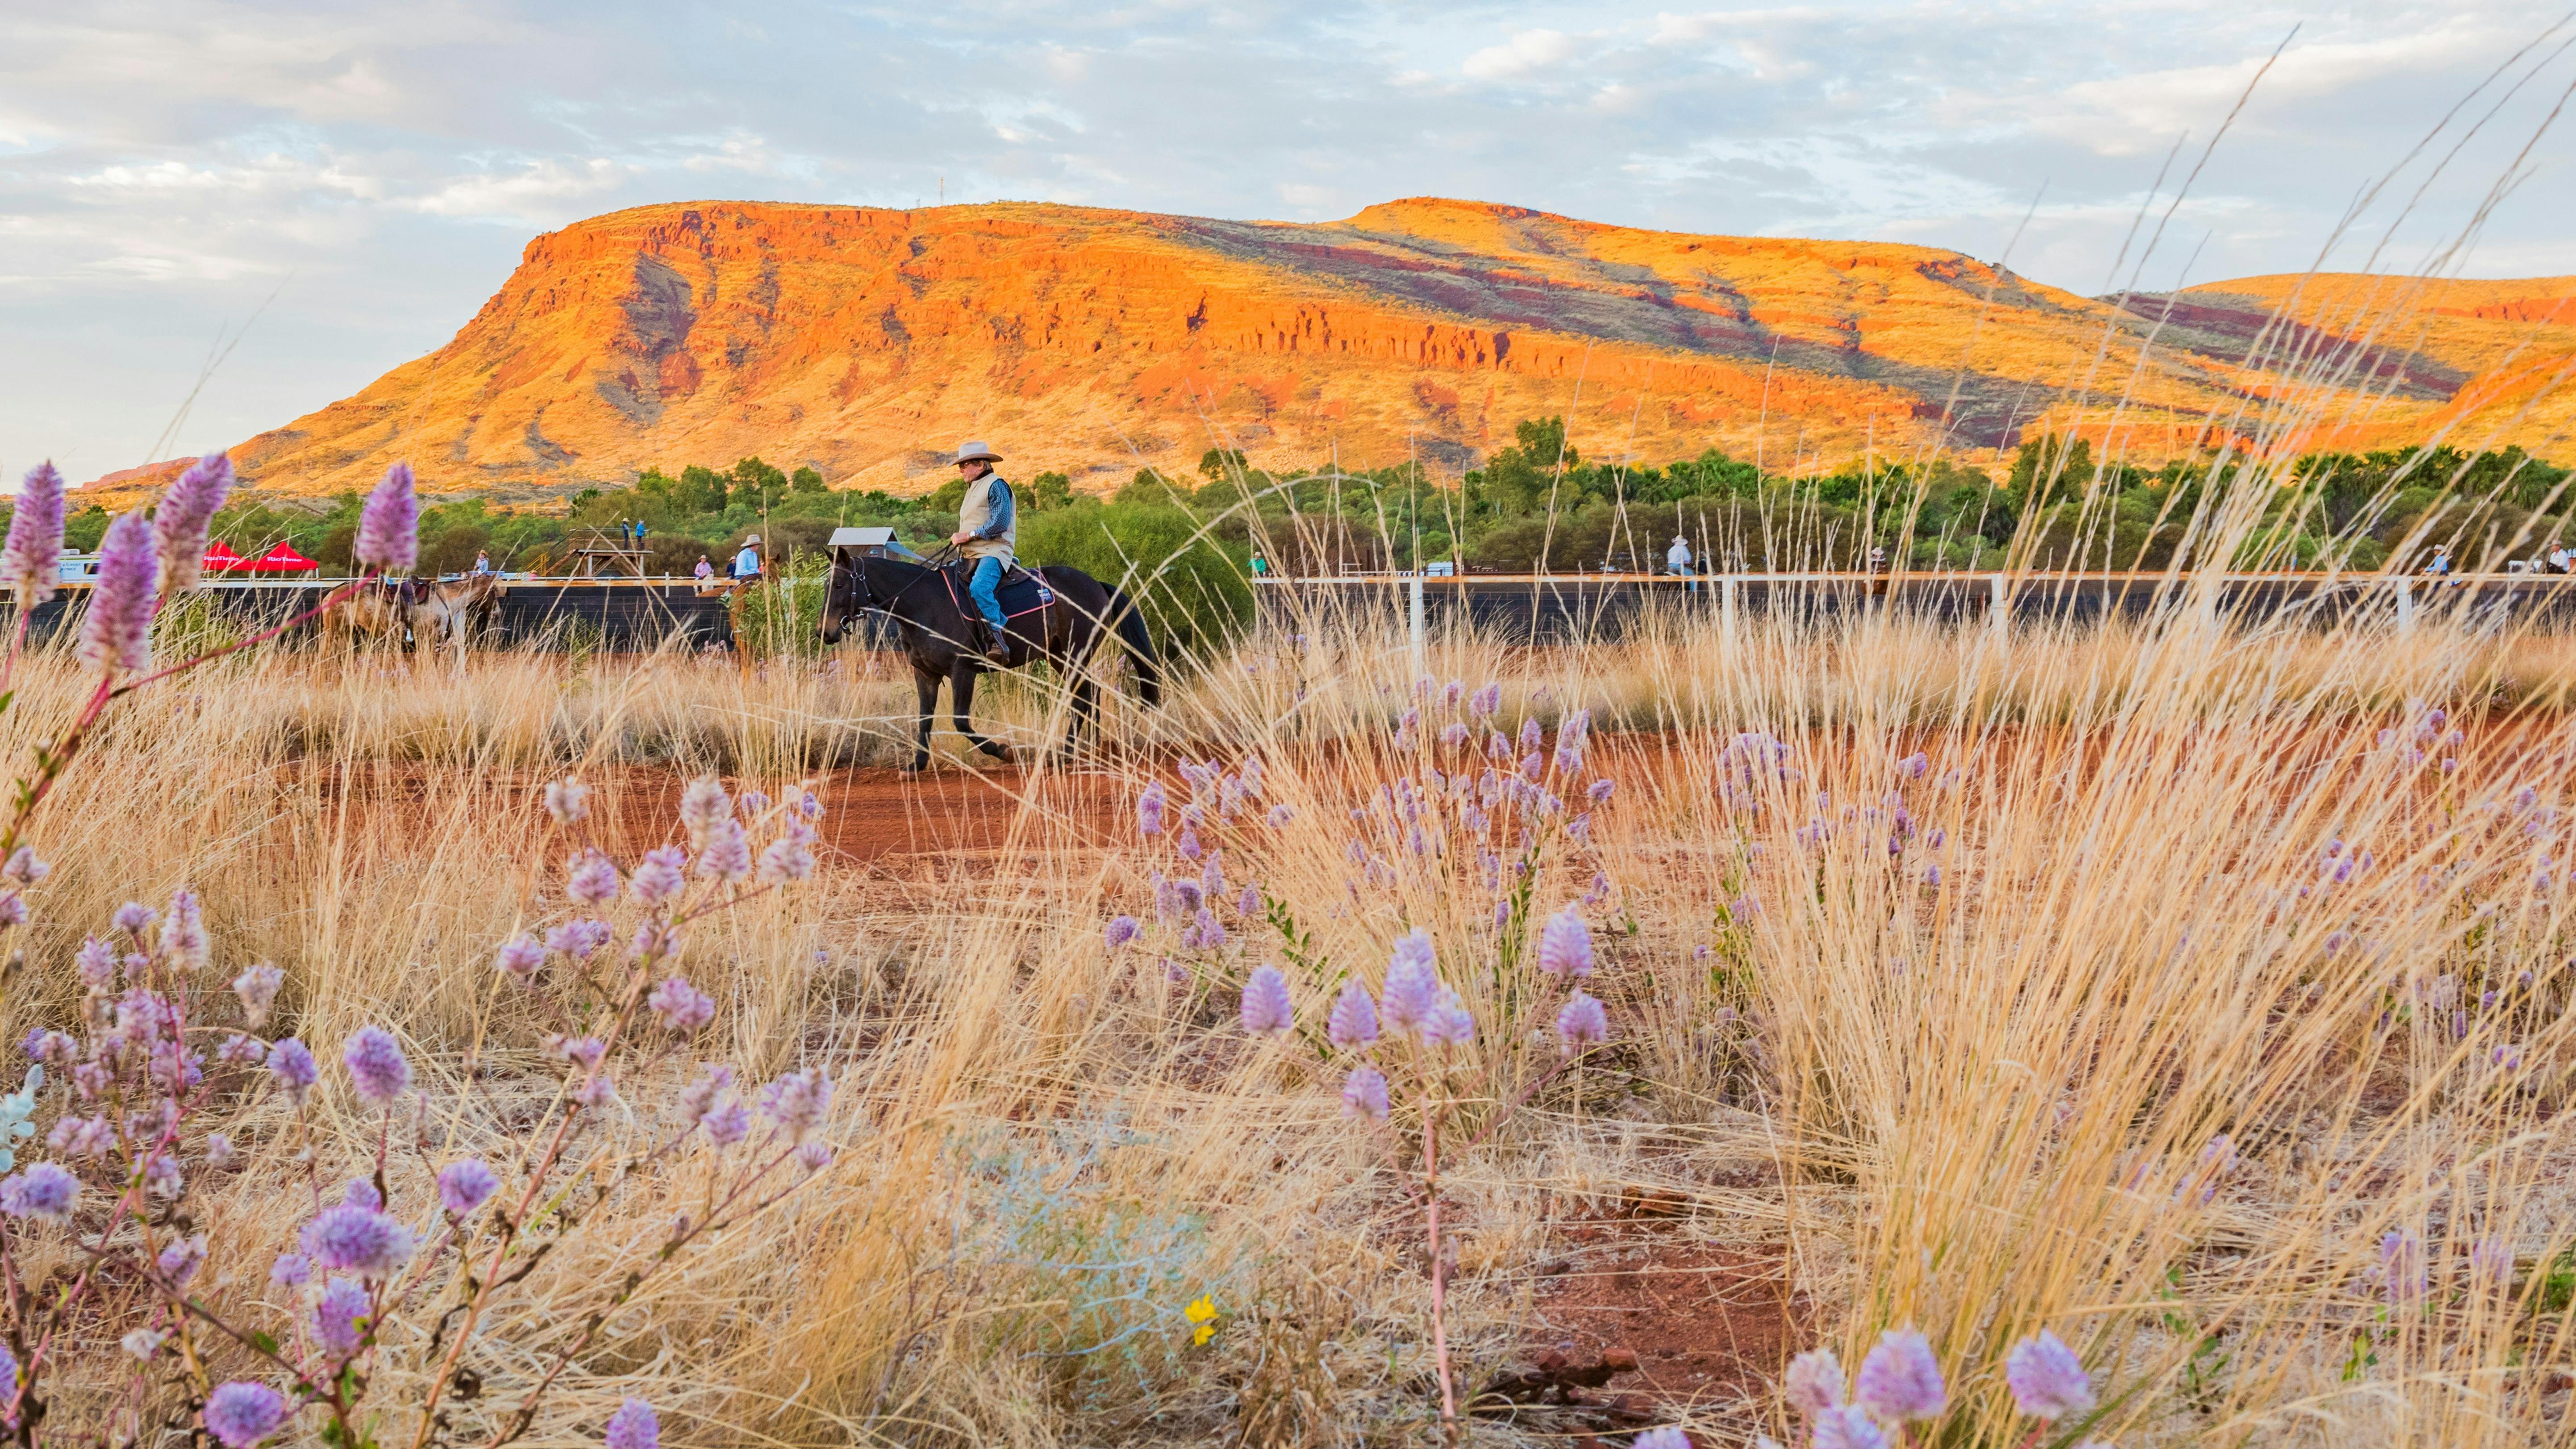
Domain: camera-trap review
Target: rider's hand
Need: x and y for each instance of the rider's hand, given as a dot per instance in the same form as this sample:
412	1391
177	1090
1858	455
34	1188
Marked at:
961	538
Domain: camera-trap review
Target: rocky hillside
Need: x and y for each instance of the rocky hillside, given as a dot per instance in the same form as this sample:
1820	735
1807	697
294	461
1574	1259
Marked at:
865	342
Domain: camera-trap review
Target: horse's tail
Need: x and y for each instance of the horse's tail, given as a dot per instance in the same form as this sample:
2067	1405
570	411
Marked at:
1139	642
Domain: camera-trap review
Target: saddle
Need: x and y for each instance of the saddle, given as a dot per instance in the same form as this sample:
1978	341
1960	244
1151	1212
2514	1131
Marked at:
1021	591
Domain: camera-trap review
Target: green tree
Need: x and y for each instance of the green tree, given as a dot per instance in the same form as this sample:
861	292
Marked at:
757	484
807	480
702	489
1047	491
1220	464
1192	589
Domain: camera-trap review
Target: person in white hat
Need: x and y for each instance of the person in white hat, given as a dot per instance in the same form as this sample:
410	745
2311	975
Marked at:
987	528
746	564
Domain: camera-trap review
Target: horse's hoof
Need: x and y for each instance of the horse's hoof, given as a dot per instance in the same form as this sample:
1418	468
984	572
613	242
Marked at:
999	752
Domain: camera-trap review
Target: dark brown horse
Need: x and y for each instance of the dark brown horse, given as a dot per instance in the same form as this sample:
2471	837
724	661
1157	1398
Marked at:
930	605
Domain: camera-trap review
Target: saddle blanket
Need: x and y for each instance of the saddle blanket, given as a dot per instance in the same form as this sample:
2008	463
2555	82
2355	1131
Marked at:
1021	591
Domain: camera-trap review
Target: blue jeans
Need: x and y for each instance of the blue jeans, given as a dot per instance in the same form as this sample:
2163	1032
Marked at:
981	586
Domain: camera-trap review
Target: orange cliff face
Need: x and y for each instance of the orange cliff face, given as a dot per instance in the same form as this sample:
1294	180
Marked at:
866	343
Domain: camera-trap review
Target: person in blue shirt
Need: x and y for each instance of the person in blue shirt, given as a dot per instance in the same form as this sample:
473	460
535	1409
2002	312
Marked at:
987	530
746	564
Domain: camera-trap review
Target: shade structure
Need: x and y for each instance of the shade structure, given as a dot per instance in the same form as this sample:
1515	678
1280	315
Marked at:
220	559
282	559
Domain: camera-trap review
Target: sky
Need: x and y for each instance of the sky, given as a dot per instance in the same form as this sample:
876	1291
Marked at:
215	217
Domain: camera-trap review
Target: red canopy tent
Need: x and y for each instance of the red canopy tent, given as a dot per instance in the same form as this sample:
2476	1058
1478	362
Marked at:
283	559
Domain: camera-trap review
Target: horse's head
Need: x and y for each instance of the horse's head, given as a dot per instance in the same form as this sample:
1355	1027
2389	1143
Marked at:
845	592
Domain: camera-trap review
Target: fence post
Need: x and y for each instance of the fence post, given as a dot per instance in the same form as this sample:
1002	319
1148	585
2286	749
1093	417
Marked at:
1996	604
2405	605
1421	652
1726	607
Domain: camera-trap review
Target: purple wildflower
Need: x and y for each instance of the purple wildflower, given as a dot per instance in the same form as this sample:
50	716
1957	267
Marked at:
2047	1379
728	1124
291	1062
1447	1024
376	1066
590	878
357	1239
2401	1267
659	877
814	1156
568	801
1565	946
31	562
1364	1093
797	1102
389	524
116	634
1531	736
340	1320
634	1427
681	1006
180	1261
1915	766
1453	735
1188	844
257	988
133	917
1121	930
698	1098
1412	983
726	855
1848	1426
1581	1022
1149	809
243	1413
703	807
1266	1008
520	956
1250	903
291	1270
1901	1379
466	1184
186	511
97	962
1353	1022
1280	815
578	939
45	1191
1485	701
1815	1382
221	1155
24	868
1662	1436
789	858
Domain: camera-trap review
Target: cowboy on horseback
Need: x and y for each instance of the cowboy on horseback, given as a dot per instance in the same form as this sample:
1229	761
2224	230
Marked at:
987	527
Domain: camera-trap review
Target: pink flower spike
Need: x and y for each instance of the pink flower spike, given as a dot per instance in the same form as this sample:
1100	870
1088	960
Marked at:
116	633
376	1066
634	1426
1354	1019
1565	946
1814	1382
1901	1379
186	512
1267	1010
465	1185
1581	1022
389	524
31	562
1848	1426
2047	1379
1364	1093
241	1414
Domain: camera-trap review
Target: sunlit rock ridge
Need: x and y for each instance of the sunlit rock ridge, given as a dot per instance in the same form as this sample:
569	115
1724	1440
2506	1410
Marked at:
865	342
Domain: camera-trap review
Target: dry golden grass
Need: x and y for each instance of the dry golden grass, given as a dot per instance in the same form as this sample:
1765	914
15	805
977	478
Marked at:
1982	1106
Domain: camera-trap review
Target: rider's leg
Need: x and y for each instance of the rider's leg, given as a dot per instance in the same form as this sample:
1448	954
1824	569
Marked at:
984	585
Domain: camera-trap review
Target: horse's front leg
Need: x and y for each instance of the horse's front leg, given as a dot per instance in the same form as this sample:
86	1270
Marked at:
926	684
961	699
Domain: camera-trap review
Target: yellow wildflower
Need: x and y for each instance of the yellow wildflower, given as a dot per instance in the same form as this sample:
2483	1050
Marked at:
1203	1313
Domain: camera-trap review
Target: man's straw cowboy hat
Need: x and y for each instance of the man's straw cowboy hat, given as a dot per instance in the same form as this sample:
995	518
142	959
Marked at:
975	453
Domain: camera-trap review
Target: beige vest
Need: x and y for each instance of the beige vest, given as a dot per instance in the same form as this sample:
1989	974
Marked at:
975	510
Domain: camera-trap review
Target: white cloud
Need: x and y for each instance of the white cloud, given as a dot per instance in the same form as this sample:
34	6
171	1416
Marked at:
540	192
1527	51
164	164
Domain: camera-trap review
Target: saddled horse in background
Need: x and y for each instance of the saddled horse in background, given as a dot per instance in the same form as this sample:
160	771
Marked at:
424	612
1065	623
